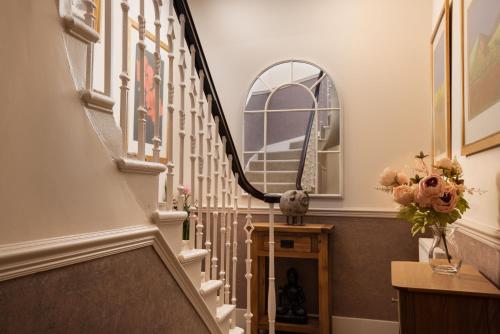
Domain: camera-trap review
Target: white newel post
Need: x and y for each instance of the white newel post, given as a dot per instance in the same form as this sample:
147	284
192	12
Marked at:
235	244
208	229
89	17
271	298
141	109
227	286
124	77
157	83
193	228
223	216
215	260
170	121
201	133
248	265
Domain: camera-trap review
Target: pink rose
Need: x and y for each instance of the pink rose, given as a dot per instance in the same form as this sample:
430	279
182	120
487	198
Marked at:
444	163
403	194
422	200
447	201
431	186
185	190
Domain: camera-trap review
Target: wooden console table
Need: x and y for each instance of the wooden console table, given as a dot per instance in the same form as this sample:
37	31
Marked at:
310	241
444	304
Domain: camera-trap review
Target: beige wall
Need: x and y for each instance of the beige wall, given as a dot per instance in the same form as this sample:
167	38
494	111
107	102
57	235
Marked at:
56	178
377	52
481	170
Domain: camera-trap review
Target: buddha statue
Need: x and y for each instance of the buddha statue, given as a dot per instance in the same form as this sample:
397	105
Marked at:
291	300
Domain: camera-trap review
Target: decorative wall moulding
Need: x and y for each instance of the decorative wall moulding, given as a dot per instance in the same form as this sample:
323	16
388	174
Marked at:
25	258
97	101
79	29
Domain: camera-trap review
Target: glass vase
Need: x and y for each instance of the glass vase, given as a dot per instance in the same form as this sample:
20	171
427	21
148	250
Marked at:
444	255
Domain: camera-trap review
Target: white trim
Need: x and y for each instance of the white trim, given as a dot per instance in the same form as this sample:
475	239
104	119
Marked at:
347	325
480	232
329	212
24	258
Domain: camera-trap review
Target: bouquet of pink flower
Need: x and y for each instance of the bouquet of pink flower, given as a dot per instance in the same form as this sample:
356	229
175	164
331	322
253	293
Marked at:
185	200
434	196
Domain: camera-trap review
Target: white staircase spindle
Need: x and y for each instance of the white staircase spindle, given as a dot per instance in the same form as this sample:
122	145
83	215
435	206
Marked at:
182	115
193	229
215	196
208	241
271	297
201	116
141	109
227	286
223	216
89	17
108	47
235	245
170	121
124	77
249	227
157	83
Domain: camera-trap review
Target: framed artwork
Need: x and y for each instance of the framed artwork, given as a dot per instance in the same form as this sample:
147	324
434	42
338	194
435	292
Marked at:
480	25
148	89
440	73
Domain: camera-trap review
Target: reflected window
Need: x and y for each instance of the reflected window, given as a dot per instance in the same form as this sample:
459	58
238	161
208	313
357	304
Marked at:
292	130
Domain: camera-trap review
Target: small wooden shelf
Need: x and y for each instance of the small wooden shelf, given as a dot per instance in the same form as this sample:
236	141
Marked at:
310	242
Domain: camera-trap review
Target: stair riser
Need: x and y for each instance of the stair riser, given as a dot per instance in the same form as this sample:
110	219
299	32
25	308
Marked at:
173	233
274	165
211	301
225	325
286	155
272	177
296	145
193	269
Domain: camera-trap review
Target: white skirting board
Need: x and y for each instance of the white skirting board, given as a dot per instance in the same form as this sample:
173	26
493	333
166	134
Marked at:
345	325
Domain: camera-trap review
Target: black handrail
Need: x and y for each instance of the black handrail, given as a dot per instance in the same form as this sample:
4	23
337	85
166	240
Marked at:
305	144
182	8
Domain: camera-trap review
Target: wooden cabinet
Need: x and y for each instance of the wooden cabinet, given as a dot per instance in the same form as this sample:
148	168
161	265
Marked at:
307	242
466	303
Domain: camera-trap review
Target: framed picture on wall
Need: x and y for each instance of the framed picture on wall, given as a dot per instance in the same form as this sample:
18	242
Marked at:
480	25
149	91
440	73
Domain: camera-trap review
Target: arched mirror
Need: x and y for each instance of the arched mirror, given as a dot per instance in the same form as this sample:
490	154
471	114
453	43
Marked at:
293	130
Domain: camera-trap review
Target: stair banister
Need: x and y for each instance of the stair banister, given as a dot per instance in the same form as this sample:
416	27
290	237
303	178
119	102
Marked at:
193	221
182	115
108	24
249	227
208	229
157	82
124	78
170	121
89	17
235	244
215	260
141	109
223	216
229	222
201	116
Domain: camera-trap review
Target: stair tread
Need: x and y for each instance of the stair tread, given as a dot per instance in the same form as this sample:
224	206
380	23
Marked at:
209	286
236	330
192	255
224	311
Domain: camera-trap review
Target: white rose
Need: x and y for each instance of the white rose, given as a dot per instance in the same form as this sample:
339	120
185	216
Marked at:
388	177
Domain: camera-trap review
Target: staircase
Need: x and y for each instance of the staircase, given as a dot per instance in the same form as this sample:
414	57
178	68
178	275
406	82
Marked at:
212	242
276	171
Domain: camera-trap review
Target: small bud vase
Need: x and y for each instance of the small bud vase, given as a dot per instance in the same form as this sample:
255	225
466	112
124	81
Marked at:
444	255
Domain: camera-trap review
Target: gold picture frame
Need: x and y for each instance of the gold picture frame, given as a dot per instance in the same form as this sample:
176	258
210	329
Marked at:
480	89
440	76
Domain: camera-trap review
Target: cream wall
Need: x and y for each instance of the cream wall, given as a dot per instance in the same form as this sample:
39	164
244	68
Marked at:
481	170
377	52
56	177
